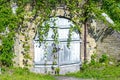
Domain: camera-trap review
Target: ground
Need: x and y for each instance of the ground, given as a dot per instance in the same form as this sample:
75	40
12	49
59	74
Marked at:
68	78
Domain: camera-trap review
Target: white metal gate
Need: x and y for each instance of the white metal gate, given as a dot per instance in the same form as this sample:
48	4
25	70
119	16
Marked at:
65	55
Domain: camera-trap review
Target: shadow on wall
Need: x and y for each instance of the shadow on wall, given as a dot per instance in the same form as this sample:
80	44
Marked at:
100	31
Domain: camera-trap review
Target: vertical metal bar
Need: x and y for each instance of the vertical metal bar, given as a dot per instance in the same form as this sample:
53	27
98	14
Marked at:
58	58
85	29
85	39
80	53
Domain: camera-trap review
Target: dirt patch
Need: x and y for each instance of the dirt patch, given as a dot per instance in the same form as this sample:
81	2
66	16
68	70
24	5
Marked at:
69	78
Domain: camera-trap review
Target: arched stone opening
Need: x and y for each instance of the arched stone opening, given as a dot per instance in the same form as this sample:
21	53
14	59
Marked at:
68	58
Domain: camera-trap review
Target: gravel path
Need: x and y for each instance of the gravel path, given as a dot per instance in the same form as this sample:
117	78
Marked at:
68	78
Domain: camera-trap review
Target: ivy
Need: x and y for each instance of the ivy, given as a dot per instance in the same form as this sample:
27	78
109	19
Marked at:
111	7
40	10
8	24
7	54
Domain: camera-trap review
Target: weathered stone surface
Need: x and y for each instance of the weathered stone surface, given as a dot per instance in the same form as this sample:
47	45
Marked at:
100	40
110	45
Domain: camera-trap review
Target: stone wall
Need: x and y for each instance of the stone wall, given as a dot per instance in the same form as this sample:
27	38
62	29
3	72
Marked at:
90	45
106	39
100	39
24	40
110	45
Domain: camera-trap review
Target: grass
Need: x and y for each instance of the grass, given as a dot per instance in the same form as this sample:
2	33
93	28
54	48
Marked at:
90	72
101	73
23	74
95	70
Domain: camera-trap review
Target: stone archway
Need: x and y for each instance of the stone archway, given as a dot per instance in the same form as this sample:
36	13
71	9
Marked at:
68	59
26	35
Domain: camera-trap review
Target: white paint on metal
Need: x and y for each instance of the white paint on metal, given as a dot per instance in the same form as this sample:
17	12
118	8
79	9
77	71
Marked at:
65	55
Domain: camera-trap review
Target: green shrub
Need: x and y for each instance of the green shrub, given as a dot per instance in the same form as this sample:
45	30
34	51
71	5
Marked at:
57	70
104	58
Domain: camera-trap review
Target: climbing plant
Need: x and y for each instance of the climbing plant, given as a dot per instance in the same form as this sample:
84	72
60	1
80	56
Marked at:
38	11
8	26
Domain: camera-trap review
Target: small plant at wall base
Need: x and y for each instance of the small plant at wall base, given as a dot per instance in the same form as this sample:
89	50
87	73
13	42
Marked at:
57	71
104	58
98	62
93	59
